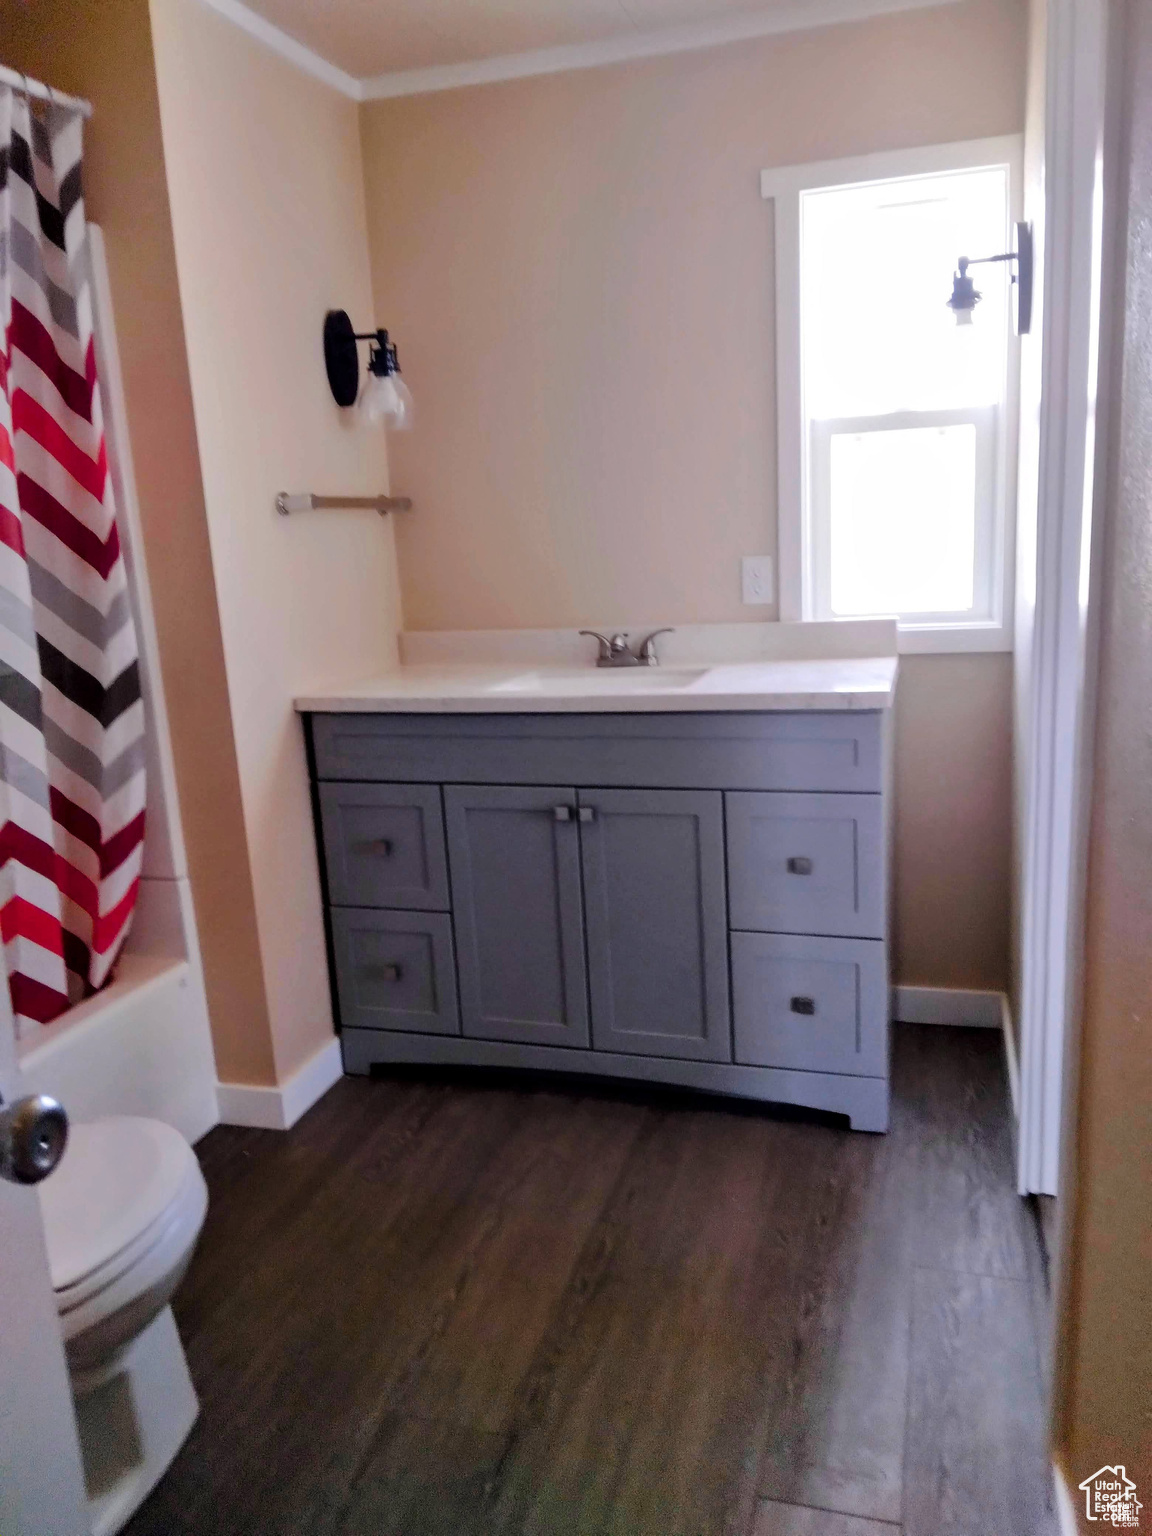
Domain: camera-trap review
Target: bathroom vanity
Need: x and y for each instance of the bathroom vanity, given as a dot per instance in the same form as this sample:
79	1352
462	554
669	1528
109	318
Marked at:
680	878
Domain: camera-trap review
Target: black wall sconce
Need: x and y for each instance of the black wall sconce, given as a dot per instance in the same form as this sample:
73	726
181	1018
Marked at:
964	293
385	398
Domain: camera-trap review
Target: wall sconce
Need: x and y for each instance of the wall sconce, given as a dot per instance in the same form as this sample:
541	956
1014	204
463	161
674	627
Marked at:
385	398
965	296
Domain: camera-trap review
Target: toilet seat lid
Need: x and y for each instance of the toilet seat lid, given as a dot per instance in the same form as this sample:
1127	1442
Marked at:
116	1179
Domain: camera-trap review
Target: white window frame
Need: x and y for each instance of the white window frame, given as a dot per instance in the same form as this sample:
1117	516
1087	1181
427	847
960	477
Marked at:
798	518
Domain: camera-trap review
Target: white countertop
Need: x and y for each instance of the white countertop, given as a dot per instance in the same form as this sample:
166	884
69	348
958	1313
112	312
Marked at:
845	665
853	683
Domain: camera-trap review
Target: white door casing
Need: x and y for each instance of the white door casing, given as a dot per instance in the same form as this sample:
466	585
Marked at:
1060	712
41	1479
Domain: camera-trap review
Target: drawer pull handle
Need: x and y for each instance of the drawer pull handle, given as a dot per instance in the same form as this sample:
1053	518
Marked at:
587	813
381	845
806	1005
389	972
562	812
798	866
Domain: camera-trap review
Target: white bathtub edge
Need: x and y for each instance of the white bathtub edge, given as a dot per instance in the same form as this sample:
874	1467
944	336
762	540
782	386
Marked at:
140	1047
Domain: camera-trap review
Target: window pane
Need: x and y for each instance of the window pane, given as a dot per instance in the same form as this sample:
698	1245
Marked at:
903	527
877	265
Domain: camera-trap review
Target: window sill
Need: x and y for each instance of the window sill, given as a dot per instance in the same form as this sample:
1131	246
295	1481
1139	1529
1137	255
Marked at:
940	639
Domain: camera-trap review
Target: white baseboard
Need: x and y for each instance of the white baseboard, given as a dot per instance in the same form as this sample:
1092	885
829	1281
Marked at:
279	1108
1065	1507
948	1005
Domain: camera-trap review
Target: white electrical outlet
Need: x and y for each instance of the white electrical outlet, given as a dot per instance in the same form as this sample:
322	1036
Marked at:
758	579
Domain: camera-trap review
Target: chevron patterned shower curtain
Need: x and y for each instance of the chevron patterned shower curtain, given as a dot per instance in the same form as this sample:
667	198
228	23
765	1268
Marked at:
71	715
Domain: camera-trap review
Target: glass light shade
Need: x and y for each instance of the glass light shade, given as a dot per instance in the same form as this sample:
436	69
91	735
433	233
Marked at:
964	317
385	400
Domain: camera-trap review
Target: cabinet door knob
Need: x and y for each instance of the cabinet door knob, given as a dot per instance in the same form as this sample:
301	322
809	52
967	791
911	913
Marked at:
562	812
390	972
587	813
799	866
805	1005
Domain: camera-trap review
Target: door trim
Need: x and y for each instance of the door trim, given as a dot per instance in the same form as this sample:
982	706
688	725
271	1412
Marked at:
1058	730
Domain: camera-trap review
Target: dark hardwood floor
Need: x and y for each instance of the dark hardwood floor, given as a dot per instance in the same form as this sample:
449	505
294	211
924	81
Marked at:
463	1306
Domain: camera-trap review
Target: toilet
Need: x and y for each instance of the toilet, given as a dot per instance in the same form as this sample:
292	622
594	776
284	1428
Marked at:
122	1213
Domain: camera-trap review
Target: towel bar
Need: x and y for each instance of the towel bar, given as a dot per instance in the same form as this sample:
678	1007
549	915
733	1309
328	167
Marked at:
306	501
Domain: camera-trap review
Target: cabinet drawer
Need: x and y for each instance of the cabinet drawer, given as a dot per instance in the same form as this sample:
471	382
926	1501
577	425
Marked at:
807	864
818	1005
395	970
384	846
839	750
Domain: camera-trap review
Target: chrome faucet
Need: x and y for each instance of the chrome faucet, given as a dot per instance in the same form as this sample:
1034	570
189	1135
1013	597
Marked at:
615	651
648	656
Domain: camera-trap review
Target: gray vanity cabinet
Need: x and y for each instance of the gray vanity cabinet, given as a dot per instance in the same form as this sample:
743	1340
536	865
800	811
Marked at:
685	898
514	854
654	906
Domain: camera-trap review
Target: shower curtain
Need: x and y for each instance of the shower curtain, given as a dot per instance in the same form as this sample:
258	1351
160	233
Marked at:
71	715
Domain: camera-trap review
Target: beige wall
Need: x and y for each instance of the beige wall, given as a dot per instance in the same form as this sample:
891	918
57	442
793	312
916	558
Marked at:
266	185
1105	1382
578	271
102	49
953	821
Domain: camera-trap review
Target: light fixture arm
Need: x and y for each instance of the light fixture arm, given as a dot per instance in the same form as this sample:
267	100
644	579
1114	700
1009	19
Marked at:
979	261
965	296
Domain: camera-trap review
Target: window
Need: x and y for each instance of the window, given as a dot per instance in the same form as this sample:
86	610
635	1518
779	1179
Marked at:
896	425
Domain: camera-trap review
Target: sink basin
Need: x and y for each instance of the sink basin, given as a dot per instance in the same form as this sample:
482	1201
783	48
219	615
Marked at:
594	680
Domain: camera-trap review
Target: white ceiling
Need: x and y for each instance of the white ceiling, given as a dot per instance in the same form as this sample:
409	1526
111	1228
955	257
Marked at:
367	38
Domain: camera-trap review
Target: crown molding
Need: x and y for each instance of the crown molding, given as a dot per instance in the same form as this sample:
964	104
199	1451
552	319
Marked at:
784	16
287	47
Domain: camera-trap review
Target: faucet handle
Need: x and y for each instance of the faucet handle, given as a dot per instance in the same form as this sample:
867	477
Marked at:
647	652
605	643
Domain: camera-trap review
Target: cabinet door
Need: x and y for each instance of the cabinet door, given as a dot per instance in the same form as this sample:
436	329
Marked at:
657	922
514	857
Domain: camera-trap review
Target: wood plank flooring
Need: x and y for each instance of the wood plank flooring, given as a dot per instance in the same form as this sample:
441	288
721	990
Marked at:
487	1306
